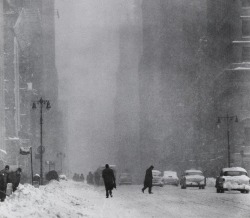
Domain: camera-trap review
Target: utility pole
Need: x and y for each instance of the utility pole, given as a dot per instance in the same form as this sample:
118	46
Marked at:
228	119
42	103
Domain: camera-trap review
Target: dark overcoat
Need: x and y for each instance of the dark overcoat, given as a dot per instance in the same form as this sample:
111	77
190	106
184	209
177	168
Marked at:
148	178
108	178
14	178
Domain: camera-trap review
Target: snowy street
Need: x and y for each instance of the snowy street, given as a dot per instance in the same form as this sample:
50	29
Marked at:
74	199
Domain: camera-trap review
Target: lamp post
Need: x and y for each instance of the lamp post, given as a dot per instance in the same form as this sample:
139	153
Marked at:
42	103
228	119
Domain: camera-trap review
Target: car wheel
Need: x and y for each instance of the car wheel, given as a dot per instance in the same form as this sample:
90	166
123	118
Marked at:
247	191
218	190
203	187
242	191
222	191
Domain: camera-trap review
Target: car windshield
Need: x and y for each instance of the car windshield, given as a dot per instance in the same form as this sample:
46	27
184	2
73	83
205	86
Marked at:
194	173
234	173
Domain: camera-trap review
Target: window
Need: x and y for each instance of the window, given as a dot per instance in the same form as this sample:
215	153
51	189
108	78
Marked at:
234	173
246	27
245	54
245	3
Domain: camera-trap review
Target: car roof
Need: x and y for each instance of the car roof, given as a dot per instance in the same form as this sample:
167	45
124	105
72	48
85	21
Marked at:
156	171
240	169
193	171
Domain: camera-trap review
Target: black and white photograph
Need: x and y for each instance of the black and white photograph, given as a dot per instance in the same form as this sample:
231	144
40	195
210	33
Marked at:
124	108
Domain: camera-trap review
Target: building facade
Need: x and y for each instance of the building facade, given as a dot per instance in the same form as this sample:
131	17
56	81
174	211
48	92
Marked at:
29	73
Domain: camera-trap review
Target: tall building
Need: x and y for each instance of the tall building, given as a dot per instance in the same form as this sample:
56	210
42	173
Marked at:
229	32
127	88
29	74
2	110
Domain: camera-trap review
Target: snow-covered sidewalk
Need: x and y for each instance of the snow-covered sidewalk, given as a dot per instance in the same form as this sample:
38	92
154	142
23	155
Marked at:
64	199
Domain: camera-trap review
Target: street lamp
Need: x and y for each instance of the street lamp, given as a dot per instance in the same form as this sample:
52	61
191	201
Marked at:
228	119
42	103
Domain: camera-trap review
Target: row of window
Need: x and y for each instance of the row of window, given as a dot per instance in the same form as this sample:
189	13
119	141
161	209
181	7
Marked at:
245	33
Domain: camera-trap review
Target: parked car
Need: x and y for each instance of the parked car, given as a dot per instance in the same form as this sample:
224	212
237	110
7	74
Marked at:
157	178
125	179
233	178
63	177
193	178
170	178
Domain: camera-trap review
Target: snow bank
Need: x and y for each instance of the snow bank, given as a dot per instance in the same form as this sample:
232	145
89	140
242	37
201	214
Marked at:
46	201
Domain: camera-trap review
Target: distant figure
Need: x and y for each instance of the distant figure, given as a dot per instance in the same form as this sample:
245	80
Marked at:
15	177
82	177
109	180
90	178
97	178
148	180
75	177
4	178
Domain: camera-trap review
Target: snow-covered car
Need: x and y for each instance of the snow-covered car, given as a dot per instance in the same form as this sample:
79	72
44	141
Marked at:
125	179
63	177
157	178
193	178
233	178
170	178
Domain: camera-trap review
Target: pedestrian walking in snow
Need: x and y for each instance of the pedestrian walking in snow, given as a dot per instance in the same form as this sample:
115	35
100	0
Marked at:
4	178
148	180
109	180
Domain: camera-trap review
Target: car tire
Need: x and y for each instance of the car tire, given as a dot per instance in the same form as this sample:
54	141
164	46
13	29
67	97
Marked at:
247	191
203	187
217	190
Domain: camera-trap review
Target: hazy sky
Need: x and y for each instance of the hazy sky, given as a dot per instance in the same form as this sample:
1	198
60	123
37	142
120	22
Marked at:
87	57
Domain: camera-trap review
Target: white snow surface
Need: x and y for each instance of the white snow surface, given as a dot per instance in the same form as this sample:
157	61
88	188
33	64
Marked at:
64	199
70	199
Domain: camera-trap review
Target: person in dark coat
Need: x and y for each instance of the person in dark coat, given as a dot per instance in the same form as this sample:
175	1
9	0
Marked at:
109	180
14	178
4	178
148	180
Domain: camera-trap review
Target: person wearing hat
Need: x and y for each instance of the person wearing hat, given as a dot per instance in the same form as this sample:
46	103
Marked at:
148	180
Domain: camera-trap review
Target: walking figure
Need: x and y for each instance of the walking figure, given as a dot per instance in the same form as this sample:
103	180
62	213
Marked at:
148	180
109	180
